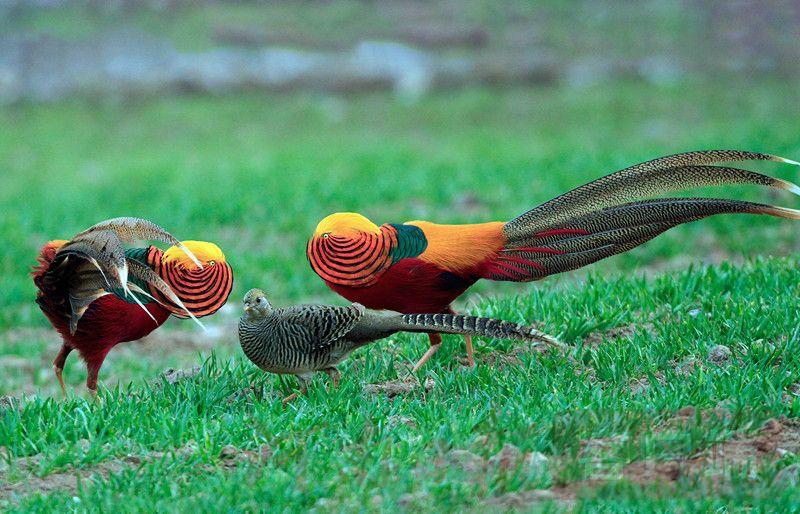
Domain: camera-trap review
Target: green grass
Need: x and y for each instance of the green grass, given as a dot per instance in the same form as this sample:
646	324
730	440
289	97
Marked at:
254	173
339	448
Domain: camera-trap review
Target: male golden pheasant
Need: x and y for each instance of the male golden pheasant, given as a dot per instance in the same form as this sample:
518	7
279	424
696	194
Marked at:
97	294
422	267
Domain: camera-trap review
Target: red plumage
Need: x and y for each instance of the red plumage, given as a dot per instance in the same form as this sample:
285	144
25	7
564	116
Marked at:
411	285
96	294
107	322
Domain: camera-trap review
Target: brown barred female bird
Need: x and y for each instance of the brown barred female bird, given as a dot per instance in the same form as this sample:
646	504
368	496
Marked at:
302	339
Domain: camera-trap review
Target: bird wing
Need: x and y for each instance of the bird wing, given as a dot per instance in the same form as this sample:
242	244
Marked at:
95	263
319	326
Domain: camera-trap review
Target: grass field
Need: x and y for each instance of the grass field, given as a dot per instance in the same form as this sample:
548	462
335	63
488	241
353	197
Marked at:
637	413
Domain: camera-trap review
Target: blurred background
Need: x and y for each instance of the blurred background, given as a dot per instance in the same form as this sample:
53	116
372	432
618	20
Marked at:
246	122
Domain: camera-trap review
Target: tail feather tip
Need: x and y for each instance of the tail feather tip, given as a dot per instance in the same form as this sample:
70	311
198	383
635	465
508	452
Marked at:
789	186
788	161
785	212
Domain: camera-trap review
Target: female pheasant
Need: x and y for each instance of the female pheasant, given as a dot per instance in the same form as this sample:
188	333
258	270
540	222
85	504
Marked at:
97	294
302	339
421	267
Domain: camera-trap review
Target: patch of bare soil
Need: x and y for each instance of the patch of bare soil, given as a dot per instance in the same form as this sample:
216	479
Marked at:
511	357
595	339
229	458
399	387
773	440
188	339
508	459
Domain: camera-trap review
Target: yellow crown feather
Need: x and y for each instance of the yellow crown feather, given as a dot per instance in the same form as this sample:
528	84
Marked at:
204	251
345	223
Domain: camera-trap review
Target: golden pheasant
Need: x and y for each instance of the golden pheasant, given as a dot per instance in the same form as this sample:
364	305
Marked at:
97	294
422	267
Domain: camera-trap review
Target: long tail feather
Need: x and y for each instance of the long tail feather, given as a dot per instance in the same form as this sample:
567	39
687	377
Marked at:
143	272
462	324
612	231
129	229
681	171
104	250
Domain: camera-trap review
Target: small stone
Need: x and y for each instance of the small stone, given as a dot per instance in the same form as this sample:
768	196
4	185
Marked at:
719	354
536	461
228	452
464	460
480	440
788	476
781	452
687	412
395	421
508	457
694	312
175	375
409	499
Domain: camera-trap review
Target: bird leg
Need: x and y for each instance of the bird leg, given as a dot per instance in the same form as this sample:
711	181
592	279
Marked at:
468	341
91	380
436	343
470	354
334	374
304	380
58	366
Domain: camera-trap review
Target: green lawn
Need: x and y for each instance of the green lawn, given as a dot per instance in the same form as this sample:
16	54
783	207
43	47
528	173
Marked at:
615	403
254	173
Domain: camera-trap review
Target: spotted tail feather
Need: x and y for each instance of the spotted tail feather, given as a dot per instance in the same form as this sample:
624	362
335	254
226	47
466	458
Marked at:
462	324
593	221
672	173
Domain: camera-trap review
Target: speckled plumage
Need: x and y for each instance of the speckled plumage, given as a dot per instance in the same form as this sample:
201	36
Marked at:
302	339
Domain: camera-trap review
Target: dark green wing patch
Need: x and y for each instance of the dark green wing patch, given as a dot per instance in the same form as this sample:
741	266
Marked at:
411	242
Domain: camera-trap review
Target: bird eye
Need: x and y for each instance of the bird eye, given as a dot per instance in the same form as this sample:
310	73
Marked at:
326	235
211	263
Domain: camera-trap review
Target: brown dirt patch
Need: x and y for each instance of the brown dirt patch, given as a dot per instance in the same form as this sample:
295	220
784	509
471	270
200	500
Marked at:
772	440
595	339
67	480
399	387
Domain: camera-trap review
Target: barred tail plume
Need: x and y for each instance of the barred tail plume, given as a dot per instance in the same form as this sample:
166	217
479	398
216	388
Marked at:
474	325
608	216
